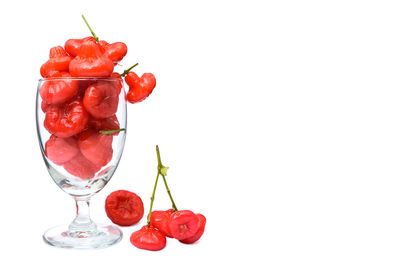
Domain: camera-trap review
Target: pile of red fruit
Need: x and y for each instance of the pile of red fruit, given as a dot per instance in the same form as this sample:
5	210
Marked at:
126	208
80	96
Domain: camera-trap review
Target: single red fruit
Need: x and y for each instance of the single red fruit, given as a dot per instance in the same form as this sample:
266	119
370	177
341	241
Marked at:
139	88
107	124
81	167
66	119
148	238
160	220
183	224
60	150
124	207
96	147
72	46
115	51
90	62
199	233
58	90
58	61
101	99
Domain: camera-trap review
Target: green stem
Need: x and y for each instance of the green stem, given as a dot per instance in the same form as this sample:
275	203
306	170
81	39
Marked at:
87	24
112	131
169	193
152	200
165	180
126	71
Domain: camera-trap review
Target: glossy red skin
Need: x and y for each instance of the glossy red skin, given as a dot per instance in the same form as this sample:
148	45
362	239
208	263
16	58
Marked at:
101	99
139	88
115	51
72	46
44	106
120	82
90	62
124	208
61	150
58	61
183	224
66	119
200	231
58	91
96	147
81	167
148	238
107	124
160	220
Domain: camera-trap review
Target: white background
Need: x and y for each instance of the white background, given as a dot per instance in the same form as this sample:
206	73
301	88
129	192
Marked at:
279	121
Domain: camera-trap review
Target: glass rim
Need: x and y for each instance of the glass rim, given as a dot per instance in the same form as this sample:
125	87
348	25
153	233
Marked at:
81	79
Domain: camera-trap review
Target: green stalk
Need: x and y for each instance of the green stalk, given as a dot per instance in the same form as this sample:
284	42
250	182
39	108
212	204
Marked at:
152	200
126	71
87	24
112	131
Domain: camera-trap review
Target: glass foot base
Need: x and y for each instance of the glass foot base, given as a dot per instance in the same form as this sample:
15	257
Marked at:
102	237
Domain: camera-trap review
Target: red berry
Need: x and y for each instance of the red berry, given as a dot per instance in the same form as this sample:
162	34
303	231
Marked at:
58	61
199	233
124	207
60	150
96	147
90	62
58	90
148	238
160	220
72	46
101	99
183	224
81	167
115	51
139	88
66	119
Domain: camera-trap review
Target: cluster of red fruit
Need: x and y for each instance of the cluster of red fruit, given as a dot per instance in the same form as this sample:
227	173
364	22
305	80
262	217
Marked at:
80	96
126	208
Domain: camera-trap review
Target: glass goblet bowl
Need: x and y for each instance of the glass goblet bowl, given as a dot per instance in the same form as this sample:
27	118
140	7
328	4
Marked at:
81	126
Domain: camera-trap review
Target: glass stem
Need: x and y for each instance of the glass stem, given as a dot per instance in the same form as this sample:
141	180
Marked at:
82	222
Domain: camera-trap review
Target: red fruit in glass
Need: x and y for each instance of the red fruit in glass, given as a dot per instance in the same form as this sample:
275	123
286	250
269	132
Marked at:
115	51
101	99
96	147
56	91
61	150
107	124
81	167
66	119
58	61
72	46
90	62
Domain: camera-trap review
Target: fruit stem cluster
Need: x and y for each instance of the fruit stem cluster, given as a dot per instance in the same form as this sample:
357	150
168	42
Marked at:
161	170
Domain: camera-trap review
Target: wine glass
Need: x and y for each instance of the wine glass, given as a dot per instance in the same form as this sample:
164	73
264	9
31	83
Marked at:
81	126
